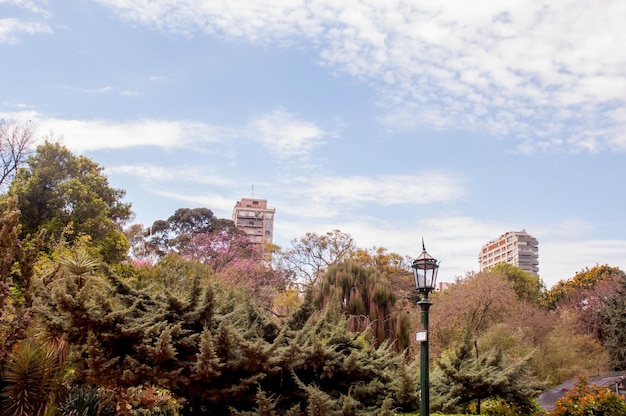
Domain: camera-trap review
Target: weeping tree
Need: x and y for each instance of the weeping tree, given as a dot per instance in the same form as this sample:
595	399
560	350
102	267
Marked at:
212	346
367	300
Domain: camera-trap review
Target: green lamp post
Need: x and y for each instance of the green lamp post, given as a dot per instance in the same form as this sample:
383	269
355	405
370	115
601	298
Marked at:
425	269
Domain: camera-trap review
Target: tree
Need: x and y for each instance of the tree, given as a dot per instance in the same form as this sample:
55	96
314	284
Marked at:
238	262
577	289
311	255
69	197
460	378
393	267
212	346
366	298
17	273
175	233
475	303
612	318
15	142
528	287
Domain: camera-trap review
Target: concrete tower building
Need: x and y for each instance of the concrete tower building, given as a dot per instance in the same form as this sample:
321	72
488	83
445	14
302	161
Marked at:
514	247
255	219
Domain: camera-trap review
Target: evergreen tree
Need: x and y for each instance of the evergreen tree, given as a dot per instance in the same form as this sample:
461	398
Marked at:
612	317
212	346
460	378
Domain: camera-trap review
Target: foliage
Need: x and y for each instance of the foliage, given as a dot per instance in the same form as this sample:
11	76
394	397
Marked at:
460	378
145	401
392	266
366	298
528	287
29	379
237	262
577	290
17	259
213	347
310	256
612	318
565	352
476	302
86	401
175	233
585	400
69	197
15	145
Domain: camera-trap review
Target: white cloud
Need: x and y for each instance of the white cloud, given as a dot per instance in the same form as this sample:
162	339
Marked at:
285	135
279	132
11	29
90	135
500	66
425	188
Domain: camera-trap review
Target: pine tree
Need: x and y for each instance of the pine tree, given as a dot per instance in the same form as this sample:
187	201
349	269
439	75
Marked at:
460	378
214	347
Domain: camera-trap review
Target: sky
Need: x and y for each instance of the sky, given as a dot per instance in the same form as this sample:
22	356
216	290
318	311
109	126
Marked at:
391	121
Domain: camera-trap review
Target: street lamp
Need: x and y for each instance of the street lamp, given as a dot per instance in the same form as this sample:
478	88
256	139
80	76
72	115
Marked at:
425	269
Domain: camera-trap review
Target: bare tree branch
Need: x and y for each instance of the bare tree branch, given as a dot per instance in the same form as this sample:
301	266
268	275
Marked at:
15	146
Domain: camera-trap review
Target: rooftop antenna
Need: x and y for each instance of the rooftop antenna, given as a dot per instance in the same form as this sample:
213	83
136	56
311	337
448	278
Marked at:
252	191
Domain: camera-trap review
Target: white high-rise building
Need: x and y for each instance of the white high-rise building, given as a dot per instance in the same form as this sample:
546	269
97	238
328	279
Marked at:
514	247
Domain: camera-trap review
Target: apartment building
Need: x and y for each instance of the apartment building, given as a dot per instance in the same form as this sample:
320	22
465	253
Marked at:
514	247
255	219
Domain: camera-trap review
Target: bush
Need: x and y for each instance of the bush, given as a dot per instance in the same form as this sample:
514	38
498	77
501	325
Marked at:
585	400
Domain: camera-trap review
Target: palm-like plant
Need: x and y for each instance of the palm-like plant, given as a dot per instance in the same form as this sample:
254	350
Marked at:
79	264
29	379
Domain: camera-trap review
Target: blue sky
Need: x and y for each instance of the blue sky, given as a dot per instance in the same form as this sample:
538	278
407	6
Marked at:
388	120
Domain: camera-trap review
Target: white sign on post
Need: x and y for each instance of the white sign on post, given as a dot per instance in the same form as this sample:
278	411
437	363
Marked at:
421	336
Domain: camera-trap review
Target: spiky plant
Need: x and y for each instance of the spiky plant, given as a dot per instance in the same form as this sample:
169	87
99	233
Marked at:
29	379
79	264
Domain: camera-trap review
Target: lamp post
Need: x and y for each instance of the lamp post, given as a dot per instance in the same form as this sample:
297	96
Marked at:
425	269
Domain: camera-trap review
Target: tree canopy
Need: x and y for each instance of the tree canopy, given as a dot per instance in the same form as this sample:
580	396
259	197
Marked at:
69	197
367	299
214	347
175	233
